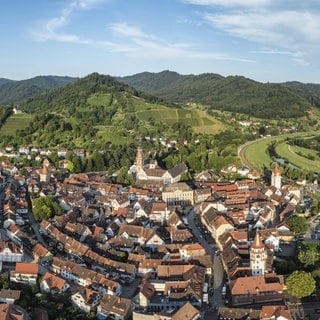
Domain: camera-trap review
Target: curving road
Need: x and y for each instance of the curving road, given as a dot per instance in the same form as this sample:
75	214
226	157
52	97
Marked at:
242	150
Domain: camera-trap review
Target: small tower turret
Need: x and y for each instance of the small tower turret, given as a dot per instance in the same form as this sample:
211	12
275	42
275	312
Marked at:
276	178
258	256
45	172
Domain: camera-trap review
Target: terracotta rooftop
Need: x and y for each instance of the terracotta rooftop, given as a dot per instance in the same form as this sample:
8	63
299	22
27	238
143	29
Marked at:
27	268
54	282
275	312
252	285
186	312
11	312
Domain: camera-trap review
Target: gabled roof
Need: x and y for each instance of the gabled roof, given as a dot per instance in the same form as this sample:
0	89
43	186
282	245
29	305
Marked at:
54	282
173	219
11	312
275	312
27	268
186	312
253	285
9	294
147	289
177	170
39	250
115	305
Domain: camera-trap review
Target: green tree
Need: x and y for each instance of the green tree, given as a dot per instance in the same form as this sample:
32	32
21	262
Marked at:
124	177
4	281
309	253
45	208
300	284
70	166
298	225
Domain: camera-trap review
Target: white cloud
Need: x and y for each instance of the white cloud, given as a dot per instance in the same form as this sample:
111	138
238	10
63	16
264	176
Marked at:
130	39
52	26
127	30
141	44
273	51
281	29
293	28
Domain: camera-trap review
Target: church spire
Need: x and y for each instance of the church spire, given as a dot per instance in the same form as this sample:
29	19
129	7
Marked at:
139	158
257	242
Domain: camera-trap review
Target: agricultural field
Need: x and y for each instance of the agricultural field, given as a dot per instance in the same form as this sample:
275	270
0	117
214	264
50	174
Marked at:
107	133
254	154
166	115
299	156
195	116
198	119
16	122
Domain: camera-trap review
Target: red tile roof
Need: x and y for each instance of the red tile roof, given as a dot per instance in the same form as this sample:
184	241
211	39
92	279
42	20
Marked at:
27	268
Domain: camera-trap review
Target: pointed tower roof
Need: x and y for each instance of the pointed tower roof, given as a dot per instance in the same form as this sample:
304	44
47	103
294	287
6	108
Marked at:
44	170
276	170
257	242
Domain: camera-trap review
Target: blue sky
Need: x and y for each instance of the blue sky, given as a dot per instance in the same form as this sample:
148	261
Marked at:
266	40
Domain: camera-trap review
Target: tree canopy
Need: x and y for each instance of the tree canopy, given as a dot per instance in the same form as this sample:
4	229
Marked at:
309	253
300	284
298	225
45	208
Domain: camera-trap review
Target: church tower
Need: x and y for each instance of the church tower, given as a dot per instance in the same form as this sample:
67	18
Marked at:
45	172
139	159
258	256
276	178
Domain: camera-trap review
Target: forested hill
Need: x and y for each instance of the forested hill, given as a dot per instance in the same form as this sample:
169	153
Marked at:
18	91
312	88
95	93
4	80
233	93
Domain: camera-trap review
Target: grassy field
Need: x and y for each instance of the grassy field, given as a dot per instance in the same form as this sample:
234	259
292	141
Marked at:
101	99
16	122
109	134
166	115
256	153
291	154
195	116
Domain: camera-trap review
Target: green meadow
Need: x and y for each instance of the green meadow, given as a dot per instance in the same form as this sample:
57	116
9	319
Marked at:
16	122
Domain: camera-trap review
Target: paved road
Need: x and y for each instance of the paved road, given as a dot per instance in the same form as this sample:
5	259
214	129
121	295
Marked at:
216	299
35	226
307	309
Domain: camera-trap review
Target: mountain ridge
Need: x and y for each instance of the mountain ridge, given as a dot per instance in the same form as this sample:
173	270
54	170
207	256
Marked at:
213	91
12	91
231	93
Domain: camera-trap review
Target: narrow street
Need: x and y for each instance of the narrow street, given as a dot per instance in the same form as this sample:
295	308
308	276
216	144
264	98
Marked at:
217	268
35	226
